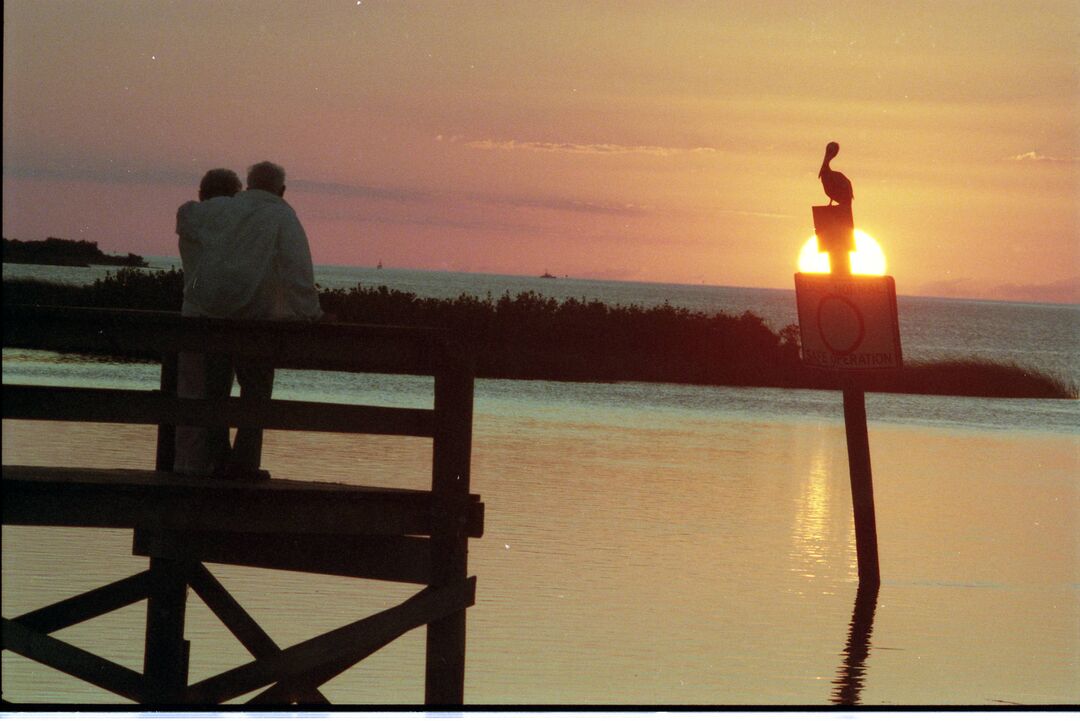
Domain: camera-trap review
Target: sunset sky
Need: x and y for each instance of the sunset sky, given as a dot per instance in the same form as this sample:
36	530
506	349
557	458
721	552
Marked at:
663	141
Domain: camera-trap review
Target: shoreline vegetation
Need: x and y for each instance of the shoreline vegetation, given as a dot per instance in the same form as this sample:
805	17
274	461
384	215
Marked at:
533	337
60	251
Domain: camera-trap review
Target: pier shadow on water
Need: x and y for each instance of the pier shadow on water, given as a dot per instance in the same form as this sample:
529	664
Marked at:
850	677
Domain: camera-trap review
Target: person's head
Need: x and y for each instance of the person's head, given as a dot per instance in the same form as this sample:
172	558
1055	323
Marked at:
217	182
266	176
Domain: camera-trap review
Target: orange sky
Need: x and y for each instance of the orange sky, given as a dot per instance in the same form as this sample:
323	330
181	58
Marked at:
668	141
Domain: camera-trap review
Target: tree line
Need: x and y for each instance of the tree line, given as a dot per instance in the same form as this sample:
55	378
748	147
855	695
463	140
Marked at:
530	336
61	251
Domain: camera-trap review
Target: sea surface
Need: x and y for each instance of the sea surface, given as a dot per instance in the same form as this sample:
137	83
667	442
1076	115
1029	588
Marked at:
652	543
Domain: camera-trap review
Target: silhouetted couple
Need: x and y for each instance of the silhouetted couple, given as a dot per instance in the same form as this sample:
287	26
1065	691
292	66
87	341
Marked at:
245	255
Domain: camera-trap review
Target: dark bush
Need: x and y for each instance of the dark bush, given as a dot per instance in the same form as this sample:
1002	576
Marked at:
532	336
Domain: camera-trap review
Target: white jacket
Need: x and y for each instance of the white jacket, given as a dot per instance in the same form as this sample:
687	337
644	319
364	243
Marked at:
246	257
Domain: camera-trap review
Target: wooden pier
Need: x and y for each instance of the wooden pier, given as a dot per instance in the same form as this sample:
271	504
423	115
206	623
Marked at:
180	522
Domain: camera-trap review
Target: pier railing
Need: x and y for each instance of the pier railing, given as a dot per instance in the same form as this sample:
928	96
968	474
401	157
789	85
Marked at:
182	522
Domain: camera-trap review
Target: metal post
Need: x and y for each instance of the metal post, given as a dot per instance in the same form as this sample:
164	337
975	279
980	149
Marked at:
862	483
836	231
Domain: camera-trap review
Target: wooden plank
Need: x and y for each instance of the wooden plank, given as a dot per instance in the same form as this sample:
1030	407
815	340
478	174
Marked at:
403	559
292	344
353	642
109	508
87	605
72	660
158	481
121	498
106	405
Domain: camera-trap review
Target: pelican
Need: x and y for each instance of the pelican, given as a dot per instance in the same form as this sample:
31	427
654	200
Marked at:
835	183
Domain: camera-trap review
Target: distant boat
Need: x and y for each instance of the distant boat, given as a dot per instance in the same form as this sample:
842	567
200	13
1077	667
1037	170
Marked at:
547	275
379	266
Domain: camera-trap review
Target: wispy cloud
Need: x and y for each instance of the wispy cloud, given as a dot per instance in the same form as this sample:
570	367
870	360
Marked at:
418	195
434	219
401	195
106	171
753	213
1034	156
568	204
537	146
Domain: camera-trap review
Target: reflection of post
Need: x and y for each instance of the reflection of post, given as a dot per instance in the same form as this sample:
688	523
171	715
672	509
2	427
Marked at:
835	230
850	676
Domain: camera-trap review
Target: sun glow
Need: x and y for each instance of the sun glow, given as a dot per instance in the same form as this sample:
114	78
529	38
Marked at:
867	259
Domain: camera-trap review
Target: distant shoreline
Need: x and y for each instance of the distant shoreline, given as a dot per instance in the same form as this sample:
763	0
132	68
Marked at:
60	262
65	253
533	337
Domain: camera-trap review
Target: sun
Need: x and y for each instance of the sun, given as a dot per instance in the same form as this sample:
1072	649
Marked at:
867	259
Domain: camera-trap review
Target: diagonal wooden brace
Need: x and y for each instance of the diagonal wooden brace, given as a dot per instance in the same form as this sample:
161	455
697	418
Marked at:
72	660
354	641
88	605
240	623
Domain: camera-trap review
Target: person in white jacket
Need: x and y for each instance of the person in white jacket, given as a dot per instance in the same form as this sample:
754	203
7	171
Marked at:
249	259
202	451
253	259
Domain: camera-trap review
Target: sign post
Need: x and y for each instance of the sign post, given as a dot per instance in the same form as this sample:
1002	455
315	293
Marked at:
849	323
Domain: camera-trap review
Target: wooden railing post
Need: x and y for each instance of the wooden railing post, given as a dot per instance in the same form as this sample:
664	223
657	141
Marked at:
165	661
165	656
166	434
445	672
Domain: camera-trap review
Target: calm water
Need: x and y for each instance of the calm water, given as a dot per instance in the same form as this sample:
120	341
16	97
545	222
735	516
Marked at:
657	543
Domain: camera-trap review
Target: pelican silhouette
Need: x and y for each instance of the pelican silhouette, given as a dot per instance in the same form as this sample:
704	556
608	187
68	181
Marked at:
835	183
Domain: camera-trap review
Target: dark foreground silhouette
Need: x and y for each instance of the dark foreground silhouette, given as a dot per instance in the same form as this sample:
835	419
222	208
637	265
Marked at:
534	337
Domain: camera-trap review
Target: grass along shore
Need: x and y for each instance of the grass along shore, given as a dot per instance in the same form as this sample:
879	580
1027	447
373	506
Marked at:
530	336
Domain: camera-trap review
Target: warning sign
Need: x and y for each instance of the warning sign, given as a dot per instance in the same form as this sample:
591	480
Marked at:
848	323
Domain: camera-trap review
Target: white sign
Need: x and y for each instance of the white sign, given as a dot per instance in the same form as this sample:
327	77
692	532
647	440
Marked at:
848	323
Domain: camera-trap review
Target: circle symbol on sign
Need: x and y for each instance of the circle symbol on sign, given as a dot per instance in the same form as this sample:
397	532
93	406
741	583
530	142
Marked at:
840	324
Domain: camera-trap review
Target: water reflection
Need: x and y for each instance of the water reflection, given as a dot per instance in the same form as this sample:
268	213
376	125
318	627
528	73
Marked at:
851	675
810	531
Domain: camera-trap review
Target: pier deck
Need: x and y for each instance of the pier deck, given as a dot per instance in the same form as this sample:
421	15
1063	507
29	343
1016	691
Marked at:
182	522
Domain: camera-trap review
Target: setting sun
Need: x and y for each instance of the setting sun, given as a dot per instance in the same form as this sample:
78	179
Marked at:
867	259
